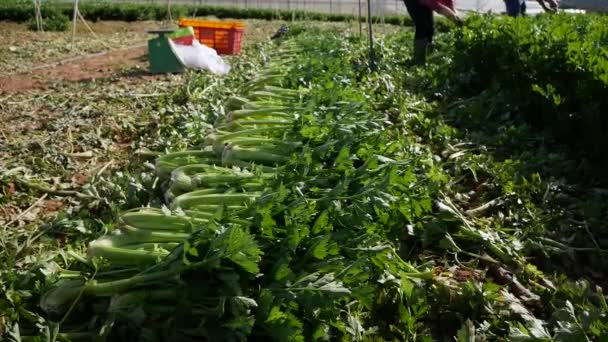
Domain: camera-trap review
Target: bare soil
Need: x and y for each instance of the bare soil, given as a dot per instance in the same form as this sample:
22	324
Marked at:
97	66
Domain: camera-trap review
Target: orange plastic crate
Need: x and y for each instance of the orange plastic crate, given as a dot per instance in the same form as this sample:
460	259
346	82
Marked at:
224	36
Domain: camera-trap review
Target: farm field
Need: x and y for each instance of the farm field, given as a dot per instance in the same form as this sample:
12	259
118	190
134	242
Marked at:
306	196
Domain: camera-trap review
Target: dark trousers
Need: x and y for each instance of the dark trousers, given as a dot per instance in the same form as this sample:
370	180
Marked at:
515	8
423	19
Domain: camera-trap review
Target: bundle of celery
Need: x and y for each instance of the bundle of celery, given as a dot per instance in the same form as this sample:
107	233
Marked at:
202	230
220	179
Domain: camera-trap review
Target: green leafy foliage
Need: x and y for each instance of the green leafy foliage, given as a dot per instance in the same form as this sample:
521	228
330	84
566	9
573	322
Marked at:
52	20
552	75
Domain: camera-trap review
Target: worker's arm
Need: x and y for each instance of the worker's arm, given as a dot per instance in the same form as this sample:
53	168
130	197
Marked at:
443	7
554	4
544	6
448	12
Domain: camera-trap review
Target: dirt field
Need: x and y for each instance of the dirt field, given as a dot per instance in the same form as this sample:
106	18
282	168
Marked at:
22	49
86	68
36	61
32	60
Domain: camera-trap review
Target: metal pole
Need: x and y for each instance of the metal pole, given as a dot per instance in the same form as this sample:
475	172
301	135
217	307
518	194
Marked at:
372	57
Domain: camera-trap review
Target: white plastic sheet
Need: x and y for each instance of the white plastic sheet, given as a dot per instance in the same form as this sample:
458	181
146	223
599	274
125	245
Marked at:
199	56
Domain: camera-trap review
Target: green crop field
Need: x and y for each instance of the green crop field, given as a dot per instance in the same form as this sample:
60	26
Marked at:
308	195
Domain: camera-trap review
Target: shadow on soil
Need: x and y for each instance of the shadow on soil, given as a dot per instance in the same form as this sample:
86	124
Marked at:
574	201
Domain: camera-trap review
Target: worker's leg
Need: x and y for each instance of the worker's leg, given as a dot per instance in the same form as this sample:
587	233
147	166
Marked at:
424	28
424	40
513	7
430	26
522	8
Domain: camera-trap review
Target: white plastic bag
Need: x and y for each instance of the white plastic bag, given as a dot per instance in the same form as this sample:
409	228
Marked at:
199	56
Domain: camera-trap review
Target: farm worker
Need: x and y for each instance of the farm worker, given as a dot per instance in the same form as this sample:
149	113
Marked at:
517	8
421	12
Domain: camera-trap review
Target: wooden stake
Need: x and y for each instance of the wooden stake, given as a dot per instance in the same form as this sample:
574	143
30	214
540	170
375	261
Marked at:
360	23
74	18
169	11
38	15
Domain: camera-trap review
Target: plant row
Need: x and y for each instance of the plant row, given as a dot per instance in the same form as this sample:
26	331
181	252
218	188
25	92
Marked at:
554	74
